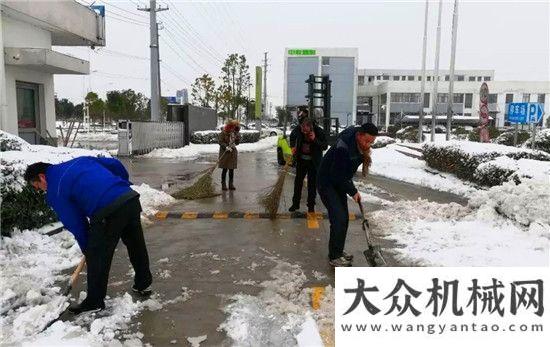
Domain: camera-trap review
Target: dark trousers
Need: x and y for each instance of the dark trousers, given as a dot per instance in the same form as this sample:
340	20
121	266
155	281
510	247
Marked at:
224	174
124	223
336	203
303	168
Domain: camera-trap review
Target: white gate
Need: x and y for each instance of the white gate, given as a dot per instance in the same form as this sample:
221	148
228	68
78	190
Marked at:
142	137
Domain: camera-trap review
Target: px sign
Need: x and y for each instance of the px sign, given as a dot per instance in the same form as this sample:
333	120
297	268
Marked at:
525	112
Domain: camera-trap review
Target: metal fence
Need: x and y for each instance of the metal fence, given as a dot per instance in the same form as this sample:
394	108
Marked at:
143	137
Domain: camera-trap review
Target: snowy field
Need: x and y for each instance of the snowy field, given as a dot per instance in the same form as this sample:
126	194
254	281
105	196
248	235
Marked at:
193	151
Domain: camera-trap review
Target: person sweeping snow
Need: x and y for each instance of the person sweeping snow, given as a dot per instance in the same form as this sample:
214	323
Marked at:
93	199
335	180
228	140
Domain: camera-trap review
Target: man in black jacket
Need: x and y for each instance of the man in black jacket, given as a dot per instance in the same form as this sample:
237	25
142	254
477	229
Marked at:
308	141
335	181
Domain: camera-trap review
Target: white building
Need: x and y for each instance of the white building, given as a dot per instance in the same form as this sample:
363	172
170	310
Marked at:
340	64
182	96
388	94
28	31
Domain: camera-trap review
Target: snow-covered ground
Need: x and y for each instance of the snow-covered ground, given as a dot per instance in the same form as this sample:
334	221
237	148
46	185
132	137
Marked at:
281	314
195	150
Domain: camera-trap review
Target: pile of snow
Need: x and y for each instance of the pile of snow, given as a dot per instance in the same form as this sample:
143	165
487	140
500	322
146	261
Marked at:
507	225
388	162
280	314
479	148
31	265
193	151
534	169
151	199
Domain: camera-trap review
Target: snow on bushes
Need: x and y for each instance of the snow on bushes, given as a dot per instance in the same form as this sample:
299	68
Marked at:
22	207
486	164
507	138
542	141
211	136
382	141
408	134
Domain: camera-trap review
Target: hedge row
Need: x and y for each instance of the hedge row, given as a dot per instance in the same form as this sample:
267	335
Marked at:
208	137
468	164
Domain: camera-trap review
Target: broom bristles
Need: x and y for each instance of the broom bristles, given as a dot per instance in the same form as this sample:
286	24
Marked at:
202	188
271	200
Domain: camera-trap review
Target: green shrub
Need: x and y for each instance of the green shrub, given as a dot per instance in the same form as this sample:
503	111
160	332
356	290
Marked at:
209	137
473	167
474	135
507	138
392	130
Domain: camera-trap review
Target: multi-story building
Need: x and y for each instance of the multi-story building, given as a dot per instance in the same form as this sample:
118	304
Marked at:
340	64
28	30
182	96
388	95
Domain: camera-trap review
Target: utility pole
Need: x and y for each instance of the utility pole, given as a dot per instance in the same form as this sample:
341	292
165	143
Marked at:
155	69
423	84
264	101
436	72
452	73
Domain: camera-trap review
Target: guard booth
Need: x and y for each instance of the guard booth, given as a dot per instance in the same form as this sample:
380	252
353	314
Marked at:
124	138
319	98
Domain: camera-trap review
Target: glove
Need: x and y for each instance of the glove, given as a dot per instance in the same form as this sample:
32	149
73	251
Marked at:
228	149
293	150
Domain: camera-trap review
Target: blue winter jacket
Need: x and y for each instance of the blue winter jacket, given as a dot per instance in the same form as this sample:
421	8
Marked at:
80	187
340	163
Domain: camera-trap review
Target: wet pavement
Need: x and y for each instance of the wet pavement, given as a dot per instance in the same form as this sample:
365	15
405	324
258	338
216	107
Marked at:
216	258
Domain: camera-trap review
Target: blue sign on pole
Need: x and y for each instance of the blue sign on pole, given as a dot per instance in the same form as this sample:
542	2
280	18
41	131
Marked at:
535	112
517	112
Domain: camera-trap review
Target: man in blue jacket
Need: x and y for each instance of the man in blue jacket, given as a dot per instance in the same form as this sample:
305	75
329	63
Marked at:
93	199
335	181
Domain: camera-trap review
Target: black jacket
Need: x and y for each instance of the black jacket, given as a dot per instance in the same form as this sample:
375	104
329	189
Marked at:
318	145
340	163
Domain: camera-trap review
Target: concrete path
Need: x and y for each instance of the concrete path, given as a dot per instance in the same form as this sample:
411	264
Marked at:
216	258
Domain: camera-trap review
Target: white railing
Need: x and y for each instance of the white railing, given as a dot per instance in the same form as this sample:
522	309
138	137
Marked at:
136	137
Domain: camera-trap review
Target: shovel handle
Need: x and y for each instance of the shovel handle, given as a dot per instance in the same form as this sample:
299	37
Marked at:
77	271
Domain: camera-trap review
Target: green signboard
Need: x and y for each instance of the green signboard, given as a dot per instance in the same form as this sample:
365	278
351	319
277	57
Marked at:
302	52
258	102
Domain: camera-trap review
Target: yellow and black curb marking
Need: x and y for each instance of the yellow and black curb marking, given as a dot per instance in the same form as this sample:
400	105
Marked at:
245	215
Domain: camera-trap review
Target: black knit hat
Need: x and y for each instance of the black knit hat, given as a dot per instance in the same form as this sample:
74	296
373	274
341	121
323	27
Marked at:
369	128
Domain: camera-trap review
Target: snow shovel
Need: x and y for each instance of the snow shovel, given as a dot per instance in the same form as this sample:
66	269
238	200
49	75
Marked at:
67	291
373	253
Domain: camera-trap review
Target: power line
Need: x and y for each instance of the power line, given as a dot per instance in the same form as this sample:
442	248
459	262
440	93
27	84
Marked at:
183	50
124	10
176	74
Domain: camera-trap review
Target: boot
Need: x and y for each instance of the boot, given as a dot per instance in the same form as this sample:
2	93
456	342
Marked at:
231	186
85	306
224	186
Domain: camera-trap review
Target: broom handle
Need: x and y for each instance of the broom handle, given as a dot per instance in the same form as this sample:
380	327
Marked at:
364	222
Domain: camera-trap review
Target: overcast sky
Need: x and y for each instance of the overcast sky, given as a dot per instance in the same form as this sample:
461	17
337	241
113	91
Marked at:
511	37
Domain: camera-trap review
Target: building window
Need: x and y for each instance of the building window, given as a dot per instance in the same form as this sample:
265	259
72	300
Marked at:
447	77
371	78
396	78
472	78
410	78
385	77
458	98
479	78
426	99
526	97
540	98
378	78
403	78
325	60
460	78
487	78
441	98
492	99
468	100
396	97
428	78
509	98
361	80
420	78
